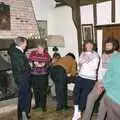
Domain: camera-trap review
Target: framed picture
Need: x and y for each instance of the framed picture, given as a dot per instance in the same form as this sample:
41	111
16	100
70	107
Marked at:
87	32
4	16
42	26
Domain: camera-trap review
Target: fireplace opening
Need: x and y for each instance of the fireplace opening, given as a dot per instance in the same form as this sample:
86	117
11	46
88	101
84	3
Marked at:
8	88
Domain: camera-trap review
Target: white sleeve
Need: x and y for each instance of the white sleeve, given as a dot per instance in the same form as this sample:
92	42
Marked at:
81	57
94	63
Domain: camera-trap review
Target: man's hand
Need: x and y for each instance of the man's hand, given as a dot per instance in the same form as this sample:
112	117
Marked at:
100	88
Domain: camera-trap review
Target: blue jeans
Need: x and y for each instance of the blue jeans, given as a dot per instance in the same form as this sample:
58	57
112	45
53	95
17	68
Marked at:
82	89
24	95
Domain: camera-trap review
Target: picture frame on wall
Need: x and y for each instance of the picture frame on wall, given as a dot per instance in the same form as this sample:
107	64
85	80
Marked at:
42	27
87	32
4	16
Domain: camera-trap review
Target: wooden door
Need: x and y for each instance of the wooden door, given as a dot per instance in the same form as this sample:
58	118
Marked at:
111	31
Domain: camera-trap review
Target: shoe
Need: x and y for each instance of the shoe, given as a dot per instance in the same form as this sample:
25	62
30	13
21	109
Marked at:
24	116
76	116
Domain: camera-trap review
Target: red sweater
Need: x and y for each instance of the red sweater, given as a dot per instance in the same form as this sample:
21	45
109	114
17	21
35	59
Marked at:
41	58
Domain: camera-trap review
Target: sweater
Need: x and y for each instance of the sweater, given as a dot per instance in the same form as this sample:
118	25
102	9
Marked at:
40	58
103	65
69	64
111	78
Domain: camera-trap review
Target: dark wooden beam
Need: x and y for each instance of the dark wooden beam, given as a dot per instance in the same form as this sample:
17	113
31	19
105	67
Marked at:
107	25
70	3
95	21
77	22
113	11
60	5
87	2
80	2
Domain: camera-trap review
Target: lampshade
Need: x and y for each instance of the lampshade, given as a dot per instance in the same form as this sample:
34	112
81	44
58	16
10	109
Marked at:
55	40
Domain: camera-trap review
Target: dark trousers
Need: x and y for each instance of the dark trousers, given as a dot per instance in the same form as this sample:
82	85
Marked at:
59	77
81	91
40	87
24	95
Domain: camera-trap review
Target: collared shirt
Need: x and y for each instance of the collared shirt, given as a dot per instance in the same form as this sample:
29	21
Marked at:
19	48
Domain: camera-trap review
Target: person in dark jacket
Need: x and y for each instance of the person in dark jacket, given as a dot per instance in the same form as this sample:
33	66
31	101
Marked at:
21	73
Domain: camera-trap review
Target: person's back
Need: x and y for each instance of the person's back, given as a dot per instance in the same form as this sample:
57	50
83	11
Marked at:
68	63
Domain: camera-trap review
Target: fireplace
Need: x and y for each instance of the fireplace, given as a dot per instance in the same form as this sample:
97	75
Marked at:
8	88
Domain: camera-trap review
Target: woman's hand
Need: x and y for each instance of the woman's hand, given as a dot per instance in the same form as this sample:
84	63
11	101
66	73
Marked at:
37	64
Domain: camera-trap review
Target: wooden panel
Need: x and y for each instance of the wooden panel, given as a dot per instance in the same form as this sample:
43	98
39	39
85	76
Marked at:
113	31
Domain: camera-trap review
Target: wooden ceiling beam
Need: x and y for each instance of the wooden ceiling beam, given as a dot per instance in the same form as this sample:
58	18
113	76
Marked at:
113	11
70	3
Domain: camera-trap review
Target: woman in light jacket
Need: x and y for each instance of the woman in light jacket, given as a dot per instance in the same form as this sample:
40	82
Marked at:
88	64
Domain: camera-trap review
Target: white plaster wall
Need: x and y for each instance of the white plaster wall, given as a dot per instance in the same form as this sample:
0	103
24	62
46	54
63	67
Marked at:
117	15
64	26
86	14
104	13
99	42
59	23
42	8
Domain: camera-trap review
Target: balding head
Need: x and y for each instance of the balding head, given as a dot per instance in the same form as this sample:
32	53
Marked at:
21	42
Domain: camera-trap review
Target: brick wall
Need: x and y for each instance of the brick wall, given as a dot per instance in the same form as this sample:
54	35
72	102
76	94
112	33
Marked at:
23	22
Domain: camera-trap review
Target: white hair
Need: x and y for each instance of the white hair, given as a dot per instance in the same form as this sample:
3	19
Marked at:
20	40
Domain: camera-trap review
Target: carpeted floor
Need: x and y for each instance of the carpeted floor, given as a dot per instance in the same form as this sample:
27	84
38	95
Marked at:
51	113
